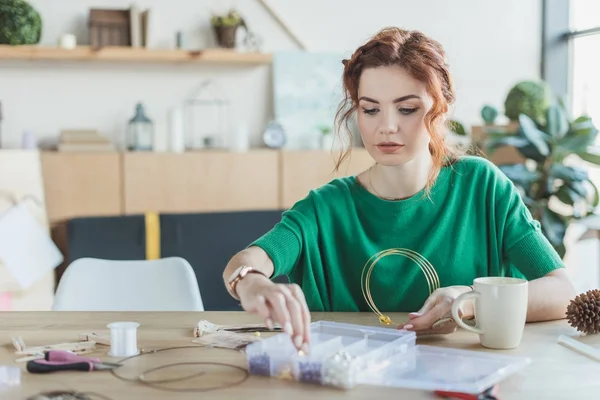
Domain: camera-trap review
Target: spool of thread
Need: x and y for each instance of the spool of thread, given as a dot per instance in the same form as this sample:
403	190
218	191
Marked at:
123	339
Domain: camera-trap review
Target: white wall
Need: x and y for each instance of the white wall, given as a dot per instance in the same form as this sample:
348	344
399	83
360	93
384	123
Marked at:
491	44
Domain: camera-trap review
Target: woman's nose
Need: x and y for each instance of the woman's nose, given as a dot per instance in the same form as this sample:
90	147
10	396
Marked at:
389	124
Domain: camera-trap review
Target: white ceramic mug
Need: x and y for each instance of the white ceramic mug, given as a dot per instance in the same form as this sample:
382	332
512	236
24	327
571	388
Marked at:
500	311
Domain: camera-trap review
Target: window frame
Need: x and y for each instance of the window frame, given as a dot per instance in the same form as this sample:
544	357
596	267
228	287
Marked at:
557	44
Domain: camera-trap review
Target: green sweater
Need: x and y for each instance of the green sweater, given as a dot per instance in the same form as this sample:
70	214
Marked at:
473	224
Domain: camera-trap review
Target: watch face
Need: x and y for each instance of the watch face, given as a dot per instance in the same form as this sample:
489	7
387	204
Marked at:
235	274
274	136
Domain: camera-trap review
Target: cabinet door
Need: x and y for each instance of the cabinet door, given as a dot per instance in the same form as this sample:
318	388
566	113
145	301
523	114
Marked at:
201	181
302	171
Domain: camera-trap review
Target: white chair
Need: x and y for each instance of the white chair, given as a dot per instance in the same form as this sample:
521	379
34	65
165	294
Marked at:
92	284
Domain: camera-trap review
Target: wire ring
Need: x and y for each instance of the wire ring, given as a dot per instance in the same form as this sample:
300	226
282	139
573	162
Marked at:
431	276
154	384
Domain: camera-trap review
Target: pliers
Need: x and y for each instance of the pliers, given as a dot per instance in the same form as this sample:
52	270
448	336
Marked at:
60	360
488	394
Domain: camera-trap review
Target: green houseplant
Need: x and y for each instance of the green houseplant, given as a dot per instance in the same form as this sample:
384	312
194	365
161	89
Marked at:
225	28
20	23
554	191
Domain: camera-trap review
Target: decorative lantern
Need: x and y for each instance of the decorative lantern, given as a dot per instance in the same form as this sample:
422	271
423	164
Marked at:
140	132
206	119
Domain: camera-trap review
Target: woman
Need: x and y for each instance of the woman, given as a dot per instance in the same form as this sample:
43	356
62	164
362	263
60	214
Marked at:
460	213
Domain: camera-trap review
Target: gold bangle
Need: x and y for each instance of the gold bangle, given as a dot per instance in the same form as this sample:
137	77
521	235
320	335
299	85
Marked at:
433	280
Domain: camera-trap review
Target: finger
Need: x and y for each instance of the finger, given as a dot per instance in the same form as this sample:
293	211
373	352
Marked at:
299	295
427	320
428	305
263	310
278	304
295	311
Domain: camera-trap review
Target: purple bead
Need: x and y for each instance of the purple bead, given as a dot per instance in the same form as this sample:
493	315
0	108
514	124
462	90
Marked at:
260	365
310	372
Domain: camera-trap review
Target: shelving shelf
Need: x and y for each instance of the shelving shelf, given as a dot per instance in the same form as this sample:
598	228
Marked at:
128	54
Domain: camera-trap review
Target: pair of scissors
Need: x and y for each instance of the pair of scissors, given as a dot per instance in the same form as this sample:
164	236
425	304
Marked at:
60	360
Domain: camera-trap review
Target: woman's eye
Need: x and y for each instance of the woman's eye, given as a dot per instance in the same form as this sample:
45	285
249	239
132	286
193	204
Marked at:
371	111
407	111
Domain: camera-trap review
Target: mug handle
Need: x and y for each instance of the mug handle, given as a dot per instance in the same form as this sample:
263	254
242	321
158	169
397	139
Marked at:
456	307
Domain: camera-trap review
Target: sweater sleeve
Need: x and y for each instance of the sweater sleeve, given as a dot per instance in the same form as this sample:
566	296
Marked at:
285	241
523	242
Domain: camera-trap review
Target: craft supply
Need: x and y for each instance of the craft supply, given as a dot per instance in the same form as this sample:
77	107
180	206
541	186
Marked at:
68	395
203	327
226	340
123	339
433	281
9	377
37	352
579	347
141	378
59	360
345	355
339	371
94	337
583	312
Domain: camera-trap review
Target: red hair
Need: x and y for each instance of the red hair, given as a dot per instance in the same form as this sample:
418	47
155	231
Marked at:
424	59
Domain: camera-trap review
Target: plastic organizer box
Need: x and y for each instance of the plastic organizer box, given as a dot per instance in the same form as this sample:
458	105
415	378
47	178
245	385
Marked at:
345	355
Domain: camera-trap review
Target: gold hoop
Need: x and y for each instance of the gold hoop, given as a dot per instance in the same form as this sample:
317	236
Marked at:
433	280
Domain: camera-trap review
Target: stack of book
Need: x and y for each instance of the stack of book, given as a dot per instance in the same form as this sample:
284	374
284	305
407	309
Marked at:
84	140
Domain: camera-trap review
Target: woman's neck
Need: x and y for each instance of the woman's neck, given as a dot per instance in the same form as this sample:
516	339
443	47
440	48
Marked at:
403	181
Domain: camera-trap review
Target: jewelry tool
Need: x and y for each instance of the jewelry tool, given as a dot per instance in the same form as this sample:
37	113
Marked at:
488	394
59	360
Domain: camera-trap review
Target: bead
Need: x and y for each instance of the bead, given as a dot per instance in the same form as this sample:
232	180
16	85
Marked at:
286	374
259	365
310	372
384	319
257	334
339	371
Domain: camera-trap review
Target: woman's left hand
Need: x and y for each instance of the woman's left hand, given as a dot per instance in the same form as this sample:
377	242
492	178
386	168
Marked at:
439	307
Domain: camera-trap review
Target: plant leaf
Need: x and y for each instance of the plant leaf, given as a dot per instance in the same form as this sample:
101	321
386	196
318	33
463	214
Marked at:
531	152
505	140
567	195
534	135
568	174
457	128
554	226
519	174
596	198
582	134
593	158
557	122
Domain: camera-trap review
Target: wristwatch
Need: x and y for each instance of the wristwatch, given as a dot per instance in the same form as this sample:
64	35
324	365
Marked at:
237	276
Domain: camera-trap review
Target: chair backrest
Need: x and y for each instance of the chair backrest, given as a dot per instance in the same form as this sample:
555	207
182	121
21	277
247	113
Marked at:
92	284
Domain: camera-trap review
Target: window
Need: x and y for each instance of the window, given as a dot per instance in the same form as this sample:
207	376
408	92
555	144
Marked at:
585	53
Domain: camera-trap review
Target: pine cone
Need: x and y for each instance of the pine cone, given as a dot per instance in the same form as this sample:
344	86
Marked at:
583	313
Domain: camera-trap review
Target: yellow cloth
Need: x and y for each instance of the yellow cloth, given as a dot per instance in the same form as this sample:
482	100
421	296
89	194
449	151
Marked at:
152	236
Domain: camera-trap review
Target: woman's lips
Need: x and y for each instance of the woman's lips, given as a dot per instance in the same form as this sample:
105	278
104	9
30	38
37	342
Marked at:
389	147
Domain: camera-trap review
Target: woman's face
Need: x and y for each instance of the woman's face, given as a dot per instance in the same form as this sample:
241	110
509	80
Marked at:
391	110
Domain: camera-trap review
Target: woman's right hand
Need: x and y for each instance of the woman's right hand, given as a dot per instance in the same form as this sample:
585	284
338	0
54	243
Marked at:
284	304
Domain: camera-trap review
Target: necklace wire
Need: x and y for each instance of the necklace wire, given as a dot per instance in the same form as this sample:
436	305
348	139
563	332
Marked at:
431	276
377	193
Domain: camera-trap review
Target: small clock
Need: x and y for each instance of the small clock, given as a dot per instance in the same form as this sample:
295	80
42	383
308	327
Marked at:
274	135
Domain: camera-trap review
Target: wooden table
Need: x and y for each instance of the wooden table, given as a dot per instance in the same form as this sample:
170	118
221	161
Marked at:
555	372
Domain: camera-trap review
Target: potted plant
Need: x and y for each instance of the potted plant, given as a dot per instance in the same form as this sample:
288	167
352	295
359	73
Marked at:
225	28
555	191
20	23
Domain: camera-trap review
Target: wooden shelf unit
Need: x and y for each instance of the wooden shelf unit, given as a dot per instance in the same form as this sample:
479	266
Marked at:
129	54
